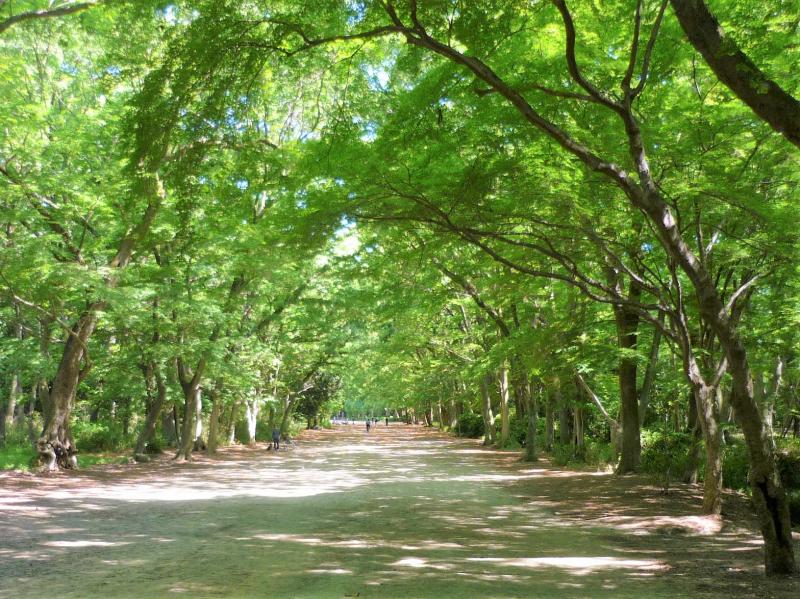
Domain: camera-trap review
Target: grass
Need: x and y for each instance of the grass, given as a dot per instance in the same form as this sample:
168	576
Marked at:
16	457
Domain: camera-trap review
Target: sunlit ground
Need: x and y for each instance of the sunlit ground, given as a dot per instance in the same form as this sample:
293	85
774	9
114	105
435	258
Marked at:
401	512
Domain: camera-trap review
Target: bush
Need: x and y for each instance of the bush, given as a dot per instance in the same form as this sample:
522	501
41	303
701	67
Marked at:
97	436
518	429
470	425
595	453
794	506
662	454
789	467
735	466
562	454
599	453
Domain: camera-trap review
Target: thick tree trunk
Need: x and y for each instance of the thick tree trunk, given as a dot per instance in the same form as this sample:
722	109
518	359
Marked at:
452	412
579	430
564	425
251	408
187	430
287	412
157	396
505	426
708	412
530	433
486	407
627	322
55	445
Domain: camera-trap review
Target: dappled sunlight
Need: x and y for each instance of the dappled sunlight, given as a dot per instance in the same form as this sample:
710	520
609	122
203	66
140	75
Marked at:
395	511
579	566
75	544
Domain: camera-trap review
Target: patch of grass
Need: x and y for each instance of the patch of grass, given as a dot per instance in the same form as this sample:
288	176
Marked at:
16	457
86	460
19	457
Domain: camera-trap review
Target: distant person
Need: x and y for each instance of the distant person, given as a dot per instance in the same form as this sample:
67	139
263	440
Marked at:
387	421
276	439
367	424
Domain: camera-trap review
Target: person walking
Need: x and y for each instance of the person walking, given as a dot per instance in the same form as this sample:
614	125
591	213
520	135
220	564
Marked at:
276	439
367	424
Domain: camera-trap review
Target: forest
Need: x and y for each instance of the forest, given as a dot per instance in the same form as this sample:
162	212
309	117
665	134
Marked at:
568	228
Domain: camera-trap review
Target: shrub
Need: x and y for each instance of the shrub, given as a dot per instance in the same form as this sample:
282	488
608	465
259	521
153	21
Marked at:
599	453
562	454
664	453
518	429
96	436
789	467
735	466
794	506
470	425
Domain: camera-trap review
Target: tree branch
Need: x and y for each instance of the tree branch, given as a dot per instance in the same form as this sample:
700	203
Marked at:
60	11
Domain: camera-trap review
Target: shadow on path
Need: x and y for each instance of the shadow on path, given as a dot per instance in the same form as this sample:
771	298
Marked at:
399	512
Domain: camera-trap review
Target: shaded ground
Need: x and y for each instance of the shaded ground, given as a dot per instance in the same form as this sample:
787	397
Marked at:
401	512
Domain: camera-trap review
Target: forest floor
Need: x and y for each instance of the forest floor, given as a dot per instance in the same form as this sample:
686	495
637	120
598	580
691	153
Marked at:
401	512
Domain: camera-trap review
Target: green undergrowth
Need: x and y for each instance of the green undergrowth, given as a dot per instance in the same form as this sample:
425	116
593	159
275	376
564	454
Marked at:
596	454
20	457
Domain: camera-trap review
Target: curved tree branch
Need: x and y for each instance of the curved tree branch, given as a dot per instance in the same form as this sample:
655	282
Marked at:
735	69
60	11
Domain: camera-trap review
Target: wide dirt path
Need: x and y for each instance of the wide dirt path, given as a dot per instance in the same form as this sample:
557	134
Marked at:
401	512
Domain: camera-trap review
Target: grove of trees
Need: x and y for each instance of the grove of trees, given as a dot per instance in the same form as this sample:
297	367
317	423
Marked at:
568	226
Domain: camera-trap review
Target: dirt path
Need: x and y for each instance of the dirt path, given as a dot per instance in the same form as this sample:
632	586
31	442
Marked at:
402	512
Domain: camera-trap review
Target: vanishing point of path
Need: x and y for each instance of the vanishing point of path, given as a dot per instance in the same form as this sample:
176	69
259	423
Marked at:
401	512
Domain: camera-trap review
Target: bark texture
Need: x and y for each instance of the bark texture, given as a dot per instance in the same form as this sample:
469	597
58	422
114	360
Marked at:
735	69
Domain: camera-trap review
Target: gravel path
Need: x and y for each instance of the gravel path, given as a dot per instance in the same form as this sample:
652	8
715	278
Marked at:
402	512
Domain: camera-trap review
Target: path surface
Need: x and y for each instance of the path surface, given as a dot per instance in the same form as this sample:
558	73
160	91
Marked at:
401	512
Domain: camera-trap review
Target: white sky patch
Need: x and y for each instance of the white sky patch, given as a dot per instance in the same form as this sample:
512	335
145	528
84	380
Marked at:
347	241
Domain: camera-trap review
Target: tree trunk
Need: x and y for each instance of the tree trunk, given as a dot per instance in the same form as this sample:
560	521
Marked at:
232	423
251	407
564	425
579	430
187	430
549	430
708	412
693	457
627	322
198	420
650	372
168	427
8	414
486	406
287	412
213	420
55	445
505	426
157	395
530	432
